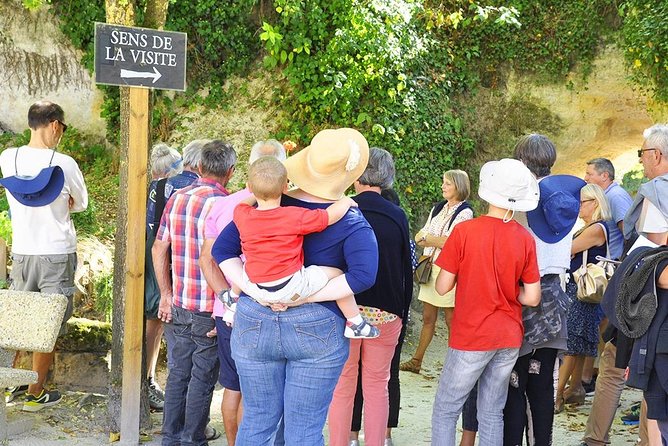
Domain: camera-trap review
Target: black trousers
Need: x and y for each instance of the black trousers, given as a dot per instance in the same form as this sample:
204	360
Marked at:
393	389
532	379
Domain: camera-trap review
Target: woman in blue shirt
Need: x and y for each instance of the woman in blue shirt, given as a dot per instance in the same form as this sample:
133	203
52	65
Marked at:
289	362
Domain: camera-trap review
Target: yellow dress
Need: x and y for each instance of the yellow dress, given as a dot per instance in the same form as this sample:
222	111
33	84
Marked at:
436	226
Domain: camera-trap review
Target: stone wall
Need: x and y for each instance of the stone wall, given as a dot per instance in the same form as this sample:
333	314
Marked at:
38	62
82	357
603	116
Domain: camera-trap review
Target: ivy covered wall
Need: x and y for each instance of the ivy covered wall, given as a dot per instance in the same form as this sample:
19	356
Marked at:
407	73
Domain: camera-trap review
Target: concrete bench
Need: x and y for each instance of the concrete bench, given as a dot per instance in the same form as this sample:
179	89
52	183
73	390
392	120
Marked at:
28	322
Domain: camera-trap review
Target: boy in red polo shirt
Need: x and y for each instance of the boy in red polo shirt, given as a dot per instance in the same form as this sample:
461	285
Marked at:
271	240
487	257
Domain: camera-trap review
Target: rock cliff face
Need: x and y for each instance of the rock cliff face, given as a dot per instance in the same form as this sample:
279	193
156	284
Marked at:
38	62
604	117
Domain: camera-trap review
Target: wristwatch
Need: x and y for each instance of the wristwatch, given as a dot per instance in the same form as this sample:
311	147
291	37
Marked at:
221	295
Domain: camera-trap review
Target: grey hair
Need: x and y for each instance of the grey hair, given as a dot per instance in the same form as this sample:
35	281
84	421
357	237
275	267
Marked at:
657	137
603	165
192	153
537	152
165	161
270	147
380	170
461	181
218	157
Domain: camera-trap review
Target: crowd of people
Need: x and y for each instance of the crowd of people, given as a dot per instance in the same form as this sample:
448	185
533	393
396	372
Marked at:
296	298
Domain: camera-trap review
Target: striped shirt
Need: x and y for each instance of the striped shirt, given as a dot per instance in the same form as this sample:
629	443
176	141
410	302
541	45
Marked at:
182	225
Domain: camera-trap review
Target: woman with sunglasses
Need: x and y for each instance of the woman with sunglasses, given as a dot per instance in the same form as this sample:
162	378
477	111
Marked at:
583	318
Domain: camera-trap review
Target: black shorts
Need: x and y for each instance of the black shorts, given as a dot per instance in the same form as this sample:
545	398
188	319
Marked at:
228	377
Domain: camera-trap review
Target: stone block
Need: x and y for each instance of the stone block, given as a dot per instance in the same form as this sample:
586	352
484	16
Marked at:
82	371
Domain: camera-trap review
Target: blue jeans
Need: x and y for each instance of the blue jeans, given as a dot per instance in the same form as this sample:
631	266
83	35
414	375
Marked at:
460	372
289	363
193	371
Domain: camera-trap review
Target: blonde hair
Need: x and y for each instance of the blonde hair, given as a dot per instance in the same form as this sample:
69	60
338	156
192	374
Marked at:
461	181
267	178
594	192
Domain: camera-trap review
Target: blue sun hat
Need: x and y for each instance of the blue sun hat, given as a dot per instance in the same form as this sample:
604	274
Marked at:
558	207
38	190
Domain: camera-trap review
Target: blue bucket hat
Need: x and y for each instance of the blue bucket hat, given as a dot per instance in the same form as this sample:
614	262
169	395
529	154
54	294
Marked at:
558	207
36	191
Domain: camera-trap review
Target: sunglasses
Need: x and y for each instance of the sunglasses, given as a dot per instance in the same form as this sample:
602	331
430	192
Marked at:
61	123
640	151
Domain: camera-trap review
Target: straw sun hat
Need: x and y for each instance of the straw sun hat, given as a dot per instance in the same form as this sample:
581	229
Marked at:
330	164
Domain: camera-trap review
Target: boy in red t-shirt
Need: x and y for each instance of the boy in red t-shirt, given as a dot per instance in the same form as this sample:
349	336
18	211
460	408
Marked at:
271	241
487	257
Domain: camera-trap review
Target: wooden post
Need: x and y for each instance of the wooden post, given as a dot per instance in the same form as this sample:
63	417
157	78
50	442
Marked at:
134	267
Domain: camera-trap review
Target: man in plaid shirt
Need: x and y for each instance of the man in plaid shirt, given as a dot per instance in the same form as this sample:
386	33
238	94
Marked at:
186	302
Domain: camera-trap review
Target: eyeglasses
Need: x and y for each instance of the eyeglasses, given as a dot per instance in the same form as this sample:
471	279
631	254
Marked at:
640	151
61	123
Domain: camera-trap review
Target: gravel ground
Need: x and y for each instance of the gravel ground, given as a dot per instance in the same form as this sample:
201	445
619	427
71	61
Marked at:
81	418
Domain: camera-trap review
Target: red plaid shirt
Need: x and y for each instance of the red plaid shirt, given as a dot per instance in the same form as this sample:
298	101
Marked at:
182	224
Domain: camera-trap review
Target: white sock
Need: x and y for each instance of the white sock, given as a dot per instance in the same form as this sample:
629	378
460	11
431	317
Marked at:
357	319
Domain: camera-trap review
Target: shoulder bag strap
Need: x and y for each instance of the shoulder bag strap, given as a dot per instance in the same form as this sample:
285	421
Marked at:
605	235
607	242
584	258
160	203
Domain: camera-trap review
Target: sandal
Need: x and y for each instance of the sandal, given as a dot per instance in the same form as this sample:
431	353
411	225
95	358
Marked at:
559	404
412	366
576	398
211	433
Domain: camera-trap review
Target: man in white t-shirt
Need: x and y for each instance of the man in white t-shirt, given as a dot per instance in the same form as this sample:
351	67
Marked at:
44	241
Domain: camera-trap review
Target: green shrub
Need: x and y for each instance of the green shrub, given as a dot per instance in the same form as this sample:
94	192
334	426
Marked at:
5	227
645	37
104	295
632	180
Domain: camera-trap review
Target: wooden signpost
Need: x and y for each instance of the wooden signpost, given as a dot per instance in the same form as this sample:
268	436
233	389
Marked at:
139	58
